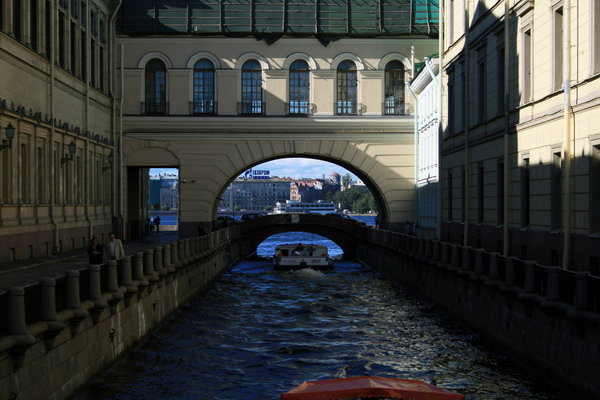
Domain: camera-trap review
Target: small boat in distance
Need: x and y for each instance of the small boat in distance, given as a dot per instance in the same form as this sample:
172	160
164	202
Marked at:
296	256
371	387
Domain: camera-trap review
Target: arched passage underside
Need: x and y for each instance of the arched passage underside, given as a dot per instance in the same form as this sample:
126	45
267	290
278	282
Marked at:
340	231
209	162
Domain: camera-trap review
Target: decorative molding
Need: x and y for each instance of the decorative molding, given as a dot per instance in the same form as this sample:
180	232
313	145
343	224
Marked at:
300	56
203	54
264	64
360	65
394	56
155	54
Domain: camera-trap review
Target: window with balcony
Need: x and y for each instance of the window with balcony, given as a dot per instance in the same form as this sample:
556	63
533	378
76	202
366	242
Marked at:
204	88
252	93
299	89
394	88
156	88
346	88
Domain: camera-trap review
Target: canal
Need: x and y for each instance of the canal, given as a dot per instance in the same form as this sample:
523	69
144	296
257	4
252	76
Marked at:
256	333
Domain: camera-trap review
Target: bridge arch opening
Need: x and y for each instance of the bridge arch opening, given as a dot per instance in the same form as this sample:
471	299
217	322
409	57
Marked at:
308	173
267	247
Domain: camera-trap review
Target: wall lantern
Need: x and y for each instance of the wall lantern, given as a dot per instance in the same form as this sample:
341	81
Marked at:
71	153
110	159
10	135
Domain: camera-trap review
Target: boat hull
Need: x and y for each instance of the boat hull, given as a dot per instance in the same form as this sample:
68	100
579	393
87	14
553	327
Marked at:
294	263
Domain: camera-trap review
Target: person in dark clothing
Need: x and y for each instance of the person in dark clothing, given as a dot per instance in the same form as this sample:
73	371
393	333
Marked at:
95	252
201	230
157	222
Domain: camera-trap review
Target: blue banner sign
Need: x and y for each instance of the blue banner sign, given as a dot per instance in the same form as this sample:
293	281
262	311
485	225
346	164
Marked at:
257	174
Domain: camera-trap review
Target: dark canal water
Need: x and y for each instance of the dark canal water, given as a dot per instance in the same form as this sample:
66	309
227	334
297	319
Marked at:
257	333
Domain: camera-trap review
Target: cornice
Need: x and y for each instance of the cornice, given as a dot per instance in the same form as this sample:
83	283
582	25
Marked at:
195	127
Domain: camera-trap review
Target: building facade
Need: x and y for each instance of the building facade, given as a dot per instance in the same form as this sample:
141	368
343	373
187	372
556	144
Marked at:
254	195
56	95
425	87
217	95
521	142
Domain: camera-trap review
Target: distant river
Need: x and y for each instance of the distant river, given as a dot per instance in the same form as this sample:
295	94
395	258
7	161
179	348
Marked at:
257	333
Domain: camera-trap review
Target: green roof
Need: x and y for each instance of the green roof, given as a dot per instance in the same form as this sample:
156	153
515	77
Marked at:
275	18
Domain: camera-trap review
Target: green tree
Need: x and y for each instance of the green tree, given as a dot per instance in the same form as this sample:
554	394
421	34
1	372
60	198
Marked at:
346	180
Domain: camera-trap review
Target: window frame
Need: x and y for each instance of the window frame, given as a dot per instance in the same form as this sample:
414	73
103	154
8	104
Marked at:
155	107
254	77
347	105
398	107
199	105
300	105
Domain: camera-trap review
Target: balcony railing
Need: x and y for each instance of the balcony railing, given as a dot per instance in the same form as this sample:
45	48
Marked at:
155	108
251	107
203	107
391	107
344	107
300	108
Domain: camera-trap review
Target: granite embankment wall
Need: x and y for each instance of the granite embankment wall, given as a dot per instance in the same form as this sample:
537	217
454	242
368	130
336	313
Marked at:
58	333
548	316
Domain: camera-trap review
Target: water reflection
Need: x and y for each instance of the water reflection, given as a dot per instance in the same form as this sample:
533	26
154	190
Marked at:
258	333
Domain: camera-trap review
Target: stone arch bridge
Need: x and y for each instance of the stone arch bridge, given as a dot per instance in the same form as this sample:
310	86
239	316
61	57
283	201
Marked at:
341	231
208	163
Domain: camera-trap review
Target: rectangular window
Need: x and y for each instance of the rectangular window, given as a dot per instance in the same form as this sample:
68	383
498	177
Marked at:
500	192
48	30
16	8
558	48
56	175
481	85
463	194
556	192
24	174
526	97
595	21
74	9
101	69
102	32
74	49
33	24
93	63
79	181
480	191
61	39
451	102
595	190
463	95
5	156
449	195
525	193
83	14
40	176
500	79
83	56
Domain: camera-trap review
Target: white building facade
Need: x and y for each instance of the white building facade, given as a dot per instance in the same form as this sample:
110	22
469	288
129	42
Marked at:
425	88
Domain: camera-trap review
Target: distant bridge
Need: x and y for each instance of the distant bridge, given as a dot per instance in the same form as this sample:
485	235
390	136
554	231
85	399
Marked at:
339	230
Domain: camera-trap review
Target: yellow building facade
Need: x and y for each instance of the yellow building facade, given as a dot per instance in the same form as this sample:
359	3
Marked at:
521	129
55	93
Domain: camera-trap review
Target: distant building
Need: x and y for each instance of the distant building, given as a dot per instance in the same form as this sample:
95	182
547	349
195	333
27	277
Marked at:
254	194
164	191
311	190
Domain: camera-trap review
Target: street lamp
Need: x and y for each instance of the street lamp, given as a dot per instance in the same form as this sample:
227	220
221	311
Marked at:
110	162
10	135
71	153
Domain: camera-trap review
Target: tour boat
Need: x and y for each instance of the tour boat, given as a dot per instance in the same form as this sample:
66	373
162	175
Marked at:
290	206
369	387
296	256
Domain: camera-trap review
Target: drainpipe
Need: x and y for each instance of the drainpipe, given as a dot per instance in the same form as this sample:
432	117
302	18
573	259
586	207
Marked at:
567	111
466	140
438	225
412	62
416	151
505	172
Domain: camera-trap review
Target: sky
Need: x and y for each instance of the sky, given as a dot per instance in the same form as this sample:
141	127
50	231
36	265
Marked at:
293	167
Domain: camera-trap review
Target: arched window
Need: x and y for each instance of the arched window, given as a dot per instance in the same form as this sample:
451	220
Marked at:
156	88
394	88
204	88
346	88
252	96
299	88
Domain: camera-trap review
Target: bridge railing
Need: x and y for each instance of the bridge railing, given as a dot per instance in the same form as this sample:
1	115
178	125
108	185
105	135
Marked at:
52	303
574	292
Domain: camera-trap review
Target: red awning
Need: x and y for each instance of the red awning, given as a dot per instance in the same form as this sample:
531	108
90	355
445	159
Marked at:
369	387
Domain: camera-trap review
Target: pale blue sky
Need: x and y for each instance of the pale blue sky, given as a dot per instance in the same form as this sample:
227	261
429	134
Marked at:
293	167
